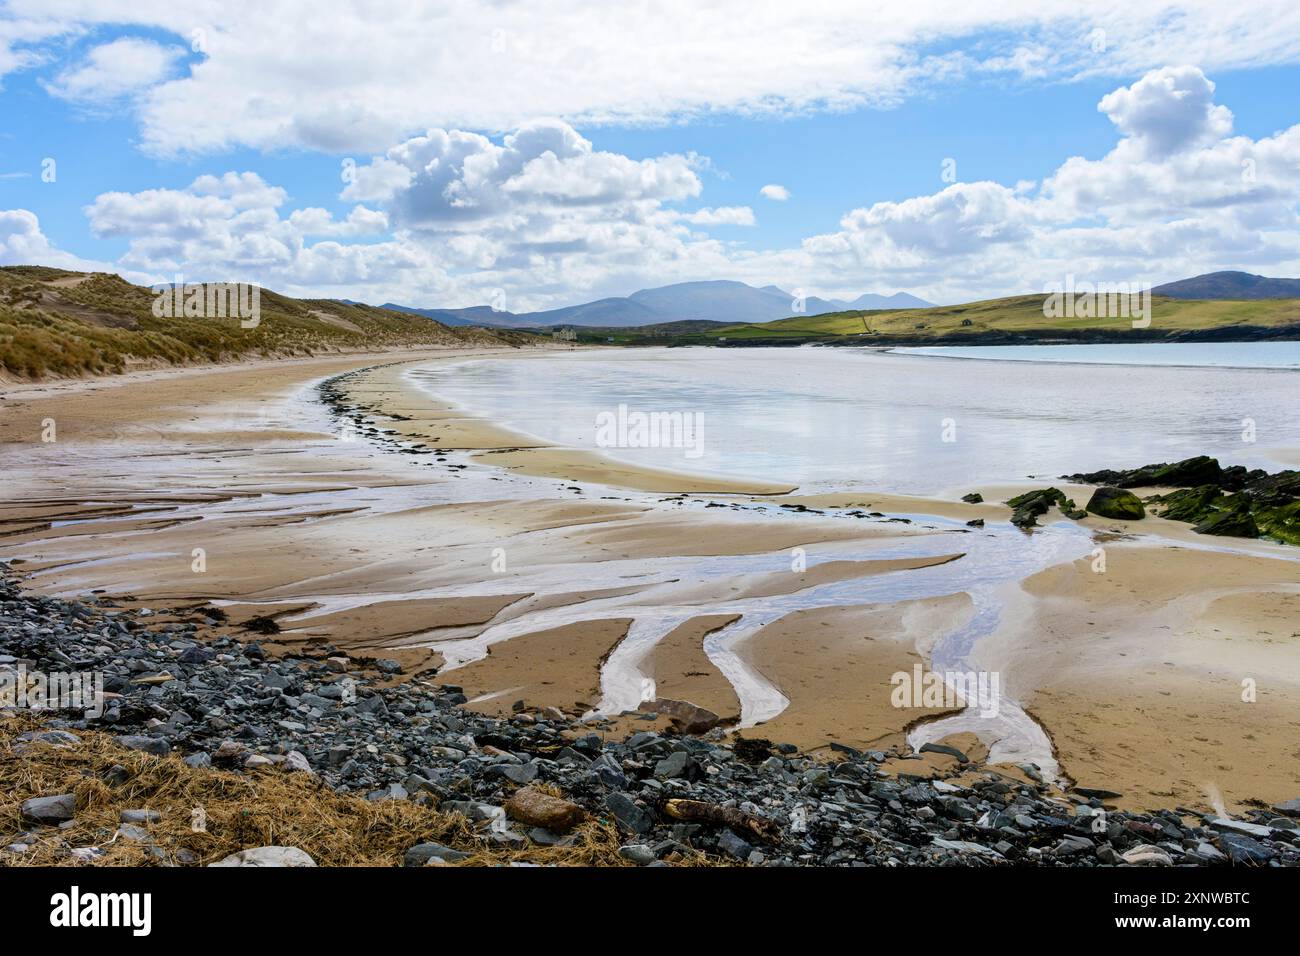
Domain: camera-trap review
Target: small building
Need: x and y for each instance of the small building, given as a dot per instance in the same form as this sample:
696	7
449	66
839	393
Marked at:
564	335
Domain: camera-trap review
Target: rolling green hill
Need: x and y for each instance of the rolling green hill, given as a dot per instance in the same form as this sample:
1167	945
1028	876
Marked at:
994	321
54	322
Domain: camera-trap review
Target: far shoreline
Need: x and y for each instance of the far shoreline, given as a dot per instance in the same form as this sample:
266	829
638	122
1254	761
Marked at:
931	351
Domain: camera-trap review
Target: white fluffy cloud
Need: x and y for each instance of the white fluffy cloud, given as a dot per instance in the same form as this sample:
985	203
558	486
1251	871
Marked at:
775	192
230	227
361	221
111	70
23	243
1168	110
721	216
187	214
450	216
963	219
453	179
351	77
22	38
541	211
1177	195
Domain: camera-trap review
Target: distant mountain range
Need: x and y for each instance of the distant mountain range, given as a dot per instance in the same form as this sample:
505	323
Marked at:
1230	285
731	302
719	301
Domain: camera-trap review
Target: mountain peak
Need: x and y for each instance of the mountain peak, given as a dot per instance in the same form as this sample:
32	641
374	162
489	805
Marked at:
717	300
1230	285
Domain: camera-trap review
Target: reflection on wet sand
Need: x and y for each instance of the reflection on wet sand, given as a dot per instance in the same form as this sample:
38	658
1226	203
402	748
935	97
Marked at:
389	529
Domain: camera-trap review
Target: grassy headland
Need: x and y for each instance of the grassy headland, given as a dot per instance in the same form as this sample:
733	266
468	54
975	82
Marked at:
60	323
1018	319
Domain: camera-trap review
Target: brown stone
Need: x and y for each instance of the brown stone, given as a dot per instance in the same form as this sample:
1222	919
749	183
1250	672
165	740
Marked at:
539	809
686	717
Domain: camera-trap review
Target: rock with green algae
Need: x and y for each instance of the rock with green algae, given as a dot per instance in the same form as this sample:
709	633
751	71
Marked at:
1280	487
1232	522
1108	502
1231	501
1188	504
1210	511
1279	522
1201	470
1245	515
1029	507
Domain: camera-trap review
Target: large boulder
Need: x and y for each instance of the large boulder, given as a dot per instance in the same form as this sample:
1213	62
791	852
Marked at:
1201	470
1117	503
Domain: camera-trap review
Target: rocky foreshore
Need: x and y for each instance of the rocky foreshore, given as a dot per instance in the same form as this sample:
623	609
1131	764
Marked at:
360	727
1233	501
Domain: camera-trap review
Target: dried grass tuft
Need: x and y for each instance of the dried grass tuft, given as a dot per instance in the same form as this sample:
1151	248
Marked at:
242	810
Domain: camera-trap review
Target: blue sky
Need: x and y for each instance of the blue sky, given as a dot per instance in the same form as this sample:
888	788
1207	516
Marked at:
208	139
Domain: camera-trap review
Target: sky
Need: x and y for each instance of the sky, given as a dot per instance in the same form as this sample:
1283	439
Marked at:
543	154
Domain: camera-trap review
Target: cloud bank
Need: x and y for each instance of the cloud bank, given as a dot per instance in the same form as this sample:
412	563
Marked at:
268	75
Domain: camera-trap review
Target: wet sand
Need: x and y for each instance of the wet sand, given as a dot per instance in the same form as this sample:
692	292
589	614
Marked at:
683	671
1142	673
835	664
526	565
425	420
557	667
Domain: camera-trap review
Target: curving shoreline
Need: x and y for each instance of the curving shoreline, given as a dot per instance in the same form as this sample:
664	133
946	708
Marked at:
345	542
334	734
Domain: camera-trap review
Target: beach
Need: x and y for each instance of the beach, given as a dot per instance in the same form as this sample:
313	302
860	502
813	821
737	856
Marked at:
348	502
